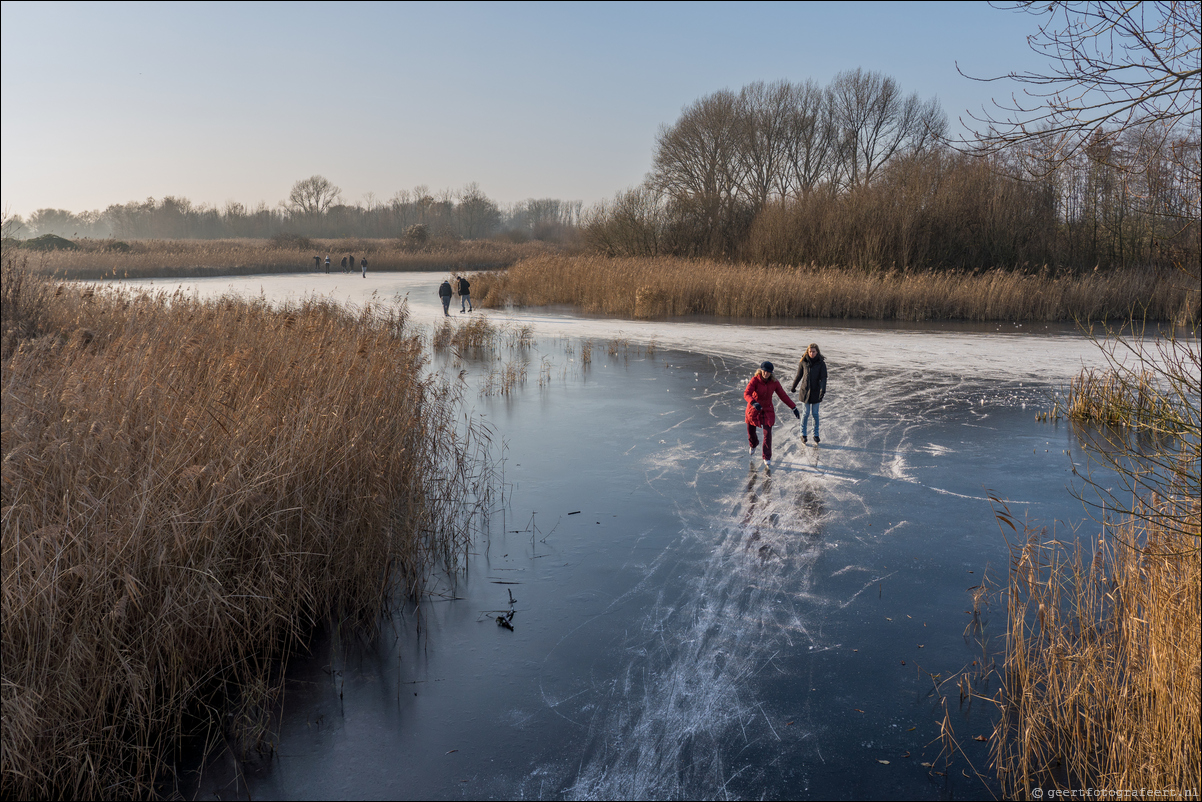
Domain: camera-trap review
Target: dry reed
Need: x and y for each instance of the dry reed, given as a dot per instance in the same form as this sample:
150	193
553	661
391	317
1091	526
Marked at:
505	379
96	260
519	336
188	488
1102	679
477	333
1113	398
480	334
1102	668
670	287
479	338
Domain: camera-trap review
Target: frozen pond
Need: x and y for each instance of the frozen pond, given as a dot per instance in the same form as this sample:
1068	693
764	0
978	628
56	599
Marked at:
685	626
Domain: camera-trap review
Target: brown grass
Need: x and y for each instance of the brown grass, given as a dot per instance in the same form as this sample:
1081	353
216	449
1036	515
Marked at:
96	259
476	333
668	287
1113	398
1102	668
188	488
504	379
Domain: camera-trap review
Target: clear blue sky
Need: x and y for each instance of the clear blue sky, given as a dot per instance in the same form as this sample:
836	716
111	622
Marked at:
107	103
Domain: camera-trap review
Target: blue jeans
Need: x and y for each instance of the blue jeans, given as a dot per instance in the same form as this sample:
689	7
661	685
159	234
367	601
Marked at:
805	419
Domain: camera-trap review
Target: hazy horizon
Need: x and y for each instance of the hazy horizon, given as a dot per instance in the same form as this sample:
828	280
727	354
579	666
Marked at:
108	104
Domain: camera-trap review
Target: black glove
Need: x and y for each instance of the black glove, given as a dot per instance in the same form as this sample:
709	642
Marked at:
797	413
757	406
821	396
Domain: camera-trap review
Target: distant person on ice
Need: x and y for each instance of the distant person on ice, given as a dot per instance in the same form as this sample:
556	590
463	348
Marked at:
327	263
350	262
760	411
316	264
364	265
811	376
444	292
465	295
344	264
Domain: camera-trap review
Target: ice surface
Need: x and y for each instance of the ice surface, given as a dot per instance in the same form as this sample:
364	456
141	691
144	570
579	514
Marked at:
701	628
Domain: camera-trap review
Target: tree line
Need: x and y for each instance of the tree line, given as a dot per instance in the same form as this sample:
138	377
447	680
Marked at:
858	173
855	173
315	208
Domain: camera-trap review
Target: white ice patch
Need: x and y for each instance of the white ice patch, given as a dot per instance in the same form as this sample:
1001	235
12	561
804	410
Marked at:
895	468
672	723
1022	355
845	569
685	706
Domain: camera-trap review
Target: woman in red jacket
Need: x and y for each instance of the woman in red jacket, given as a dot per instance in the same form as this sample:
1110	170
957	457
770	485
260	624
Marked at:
760	412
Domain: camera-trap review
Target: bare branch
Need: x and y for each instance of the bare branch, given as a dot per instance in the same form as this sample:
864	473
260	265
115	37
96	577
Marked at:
1114	64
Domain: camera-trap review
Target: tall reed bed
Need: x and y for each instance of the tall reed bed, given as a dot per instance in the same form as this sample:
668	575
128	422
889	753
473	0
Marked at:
667	287
1102	684
95	260
1103	679
188	488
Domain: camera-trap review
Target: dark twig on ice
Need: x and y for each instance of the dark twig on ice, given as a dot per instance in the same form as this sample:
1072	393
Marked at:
506	618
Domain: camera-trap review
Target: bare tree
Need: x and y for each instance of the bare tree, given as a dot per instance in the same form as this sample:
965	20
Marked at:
313	195
632	224
876	122
810	144
697	163
478	215
765	112
54	221
1121	64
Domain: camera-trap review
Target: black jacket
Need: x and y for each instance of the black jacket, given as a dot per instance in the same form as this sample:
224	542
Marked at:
445	290
811	375
464	287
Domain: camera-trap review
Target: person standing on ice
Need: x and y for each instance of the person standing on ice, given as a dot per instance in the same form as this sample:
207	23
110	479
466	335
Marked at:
811	375
364	266
760	411
444	292
465	294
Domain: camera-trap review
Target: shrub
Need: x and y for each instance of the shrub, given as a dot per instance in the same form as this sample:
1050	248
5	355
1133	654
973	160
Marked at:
292	241
50	242
417	235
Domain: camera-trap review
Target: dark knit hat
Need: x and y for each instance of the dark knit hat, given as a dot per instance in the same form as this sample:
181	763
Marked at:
766	367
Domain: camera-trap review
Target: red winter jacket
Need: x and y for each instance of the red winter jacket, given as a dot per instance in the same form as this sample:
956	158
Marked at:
761	391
